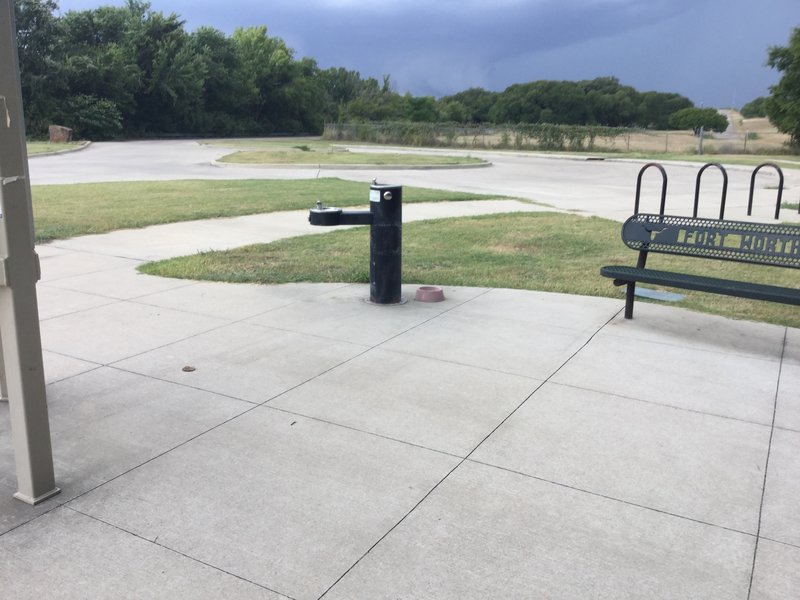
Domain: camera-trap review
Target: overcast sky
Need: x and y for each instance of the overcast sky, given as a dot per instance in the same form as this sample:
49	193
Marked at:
712	51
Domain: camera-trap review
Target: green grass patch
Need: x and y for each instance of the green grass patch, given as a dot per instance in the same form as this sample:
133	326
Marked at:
63	211
309	156
534	251
315	151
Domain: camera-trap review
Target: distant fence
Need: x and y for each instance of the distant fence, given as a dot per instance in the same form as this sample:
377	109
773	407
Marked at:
549	137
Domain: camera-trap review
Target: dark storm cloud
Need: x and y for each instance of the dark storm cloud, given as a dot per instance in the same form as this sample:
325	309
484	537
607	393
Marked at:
710	50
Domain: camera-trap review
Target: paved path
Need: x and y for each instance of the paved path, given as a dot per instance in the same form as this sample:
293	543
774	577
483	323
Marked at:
603	188
499	444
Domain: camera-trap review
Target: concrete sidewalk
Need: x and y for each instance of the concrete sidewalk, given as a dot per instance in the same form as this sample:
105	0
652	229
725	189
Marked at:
500	444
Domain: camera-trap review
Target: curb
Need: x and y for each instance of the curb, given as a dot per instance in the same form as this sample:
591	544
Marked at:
362	167
64	151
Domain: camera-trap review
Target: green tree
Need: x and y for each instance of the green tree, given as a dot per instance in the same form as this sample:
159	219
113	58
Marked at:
783	106
92	118
266	66
755	108
41	73
376	102
303	98
222	110
453	111
708	119
477	101
421	109
656	108
172	75
98	63
340	86
610	103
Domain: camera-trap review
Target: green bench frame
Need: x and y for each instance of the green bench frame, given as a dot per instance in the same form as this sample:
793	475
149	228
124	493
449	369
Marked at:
773	244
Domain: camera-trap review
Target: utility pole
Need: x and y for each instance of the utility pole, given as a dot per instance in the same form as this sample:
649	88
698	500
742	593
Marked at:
20	338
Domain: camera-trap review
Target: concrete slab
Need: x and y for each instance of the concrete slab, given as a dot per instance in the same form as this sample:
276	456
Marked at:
86	558
422	401
488	533
715	383
120	330
787	412
286	502
106	422
562	310
687	329
345	314
706	468
244	361
58	366
119	284
500	343
780	517
14	513
63	265
55	302
777	571
240	302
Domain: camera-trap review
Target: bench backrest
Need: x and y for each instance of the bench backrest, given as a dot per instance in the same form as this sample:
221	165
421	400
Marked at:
775	244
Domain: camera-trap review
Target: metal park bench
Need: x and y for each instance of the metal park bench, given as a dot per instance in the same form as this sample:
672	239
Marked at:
774	244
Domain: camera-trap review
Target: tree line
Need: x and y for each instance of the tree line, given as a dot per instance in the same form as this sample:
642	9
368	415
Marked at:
130	71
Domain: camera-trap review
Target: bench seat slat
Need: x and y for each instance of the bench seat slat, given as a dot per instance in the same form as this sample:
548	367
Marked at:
742	289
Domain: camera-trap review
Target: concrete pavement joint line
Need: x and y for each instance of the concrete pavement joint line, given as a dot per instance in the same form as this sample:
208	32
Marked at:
253	405
362	431
78	311
781	428
663	405
54	243
247	411
156	457
171	382
68	377
675	345
184	339
464	364
769	539
547	380
59	502
193	282
462	461
368	349
391	529
612	498
193	559
766	462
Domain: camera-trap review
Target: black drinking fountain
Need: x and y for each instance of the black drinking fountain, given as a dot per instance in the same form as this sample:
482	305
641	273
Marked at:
385	218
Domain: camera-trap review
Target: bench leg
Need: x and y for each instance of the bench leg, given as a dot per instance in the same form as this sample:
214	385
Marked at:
629	297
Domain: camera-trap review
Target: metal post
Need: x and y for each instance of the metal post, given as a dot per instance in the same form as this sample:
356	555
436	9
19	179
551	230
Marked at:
19	272
385	218
385	243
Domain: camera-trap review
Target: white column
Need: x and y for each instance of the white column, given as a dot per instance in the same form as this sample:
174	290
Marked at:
19	272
